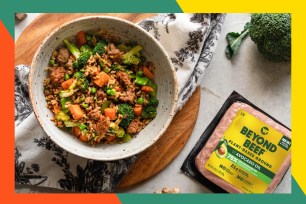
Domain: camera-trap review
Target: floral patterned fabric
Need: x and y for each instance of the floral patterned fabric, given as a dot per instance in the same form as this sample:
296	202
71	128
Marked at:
189	39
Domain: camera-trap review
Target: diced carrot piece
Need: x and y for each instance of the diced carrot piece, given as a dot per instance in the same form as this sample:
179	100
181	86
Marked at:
110	113
102	78
76	111
66	84
138	109
76	131
56	109
80	38
110	138
147	73
83	138
147	89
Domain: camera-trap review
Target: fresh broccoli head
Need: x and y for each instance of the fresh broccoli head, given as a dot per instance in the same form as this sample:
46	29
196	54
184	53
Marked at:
99	48
82	60
128	114
149	112
72	48
272	34
132	56
62	116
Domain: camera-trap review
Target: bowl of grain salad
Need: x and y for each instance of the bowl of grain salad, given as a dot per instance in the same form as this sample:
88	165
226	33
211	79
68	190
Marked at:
102	88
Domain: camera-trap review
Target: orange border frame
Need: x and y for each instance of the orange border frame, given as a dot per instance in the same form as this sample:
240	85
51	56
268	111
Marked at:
7	169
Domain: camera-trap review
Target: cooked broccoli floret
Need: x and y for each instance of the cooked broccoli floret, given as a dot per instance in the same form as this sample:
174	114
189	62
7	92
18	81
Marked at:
149	112
82	82
65	102
118	131
128	114
62	116
86	48
82	60
78	75
272	34
117	67
79	83
132	56
72	48
153	102
99	48
115	128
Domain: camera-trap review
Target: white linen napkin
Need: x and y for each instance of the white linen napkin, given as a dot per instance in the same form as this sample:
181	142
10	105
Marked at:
189	39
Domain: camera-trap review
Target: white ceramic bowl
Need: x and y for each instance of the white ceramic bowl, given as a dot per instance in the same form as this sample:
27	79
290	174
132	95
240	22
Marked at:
164	77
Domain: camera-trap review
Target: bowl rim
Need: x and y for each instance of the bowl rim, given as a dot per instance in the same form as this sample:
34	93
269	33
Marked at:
92	156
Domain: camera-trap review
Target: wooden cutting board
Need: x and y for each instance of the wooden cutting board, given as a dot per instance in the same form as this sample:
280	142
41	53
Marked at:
163	152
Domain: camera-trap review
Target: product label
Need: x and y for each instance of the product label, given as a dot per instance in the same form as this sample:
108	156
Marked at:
249	154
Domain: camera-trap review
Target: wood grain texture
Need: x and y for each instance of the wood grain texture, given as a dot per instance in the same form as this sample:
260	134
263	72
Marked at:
163	152
37	31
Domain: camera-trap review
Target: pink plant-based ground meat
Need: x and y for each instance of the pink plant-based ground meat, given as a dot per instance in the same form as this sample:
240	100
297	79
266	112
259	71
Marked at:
218	133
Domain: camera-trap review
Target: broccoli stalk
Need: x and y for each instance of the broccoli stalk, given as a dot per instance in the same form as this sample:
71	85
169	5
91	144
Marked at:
72	48
81	56
128	114
132	56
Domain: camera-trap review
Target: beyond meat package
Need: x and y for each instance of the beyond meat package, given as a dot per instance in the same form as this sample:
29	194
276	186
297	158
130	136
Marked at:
243	150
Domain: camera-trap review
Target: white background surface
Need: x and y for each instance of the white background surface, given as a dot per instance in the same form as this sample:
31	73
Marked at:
266	84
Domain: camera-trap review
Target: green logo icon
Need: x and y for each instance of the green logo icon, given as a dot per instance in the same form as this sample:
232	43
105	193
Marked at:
264	130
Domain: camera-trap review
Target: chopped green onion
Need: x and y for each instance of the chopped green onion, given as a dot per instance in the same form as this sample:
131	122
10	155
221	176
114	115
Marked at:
82	126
